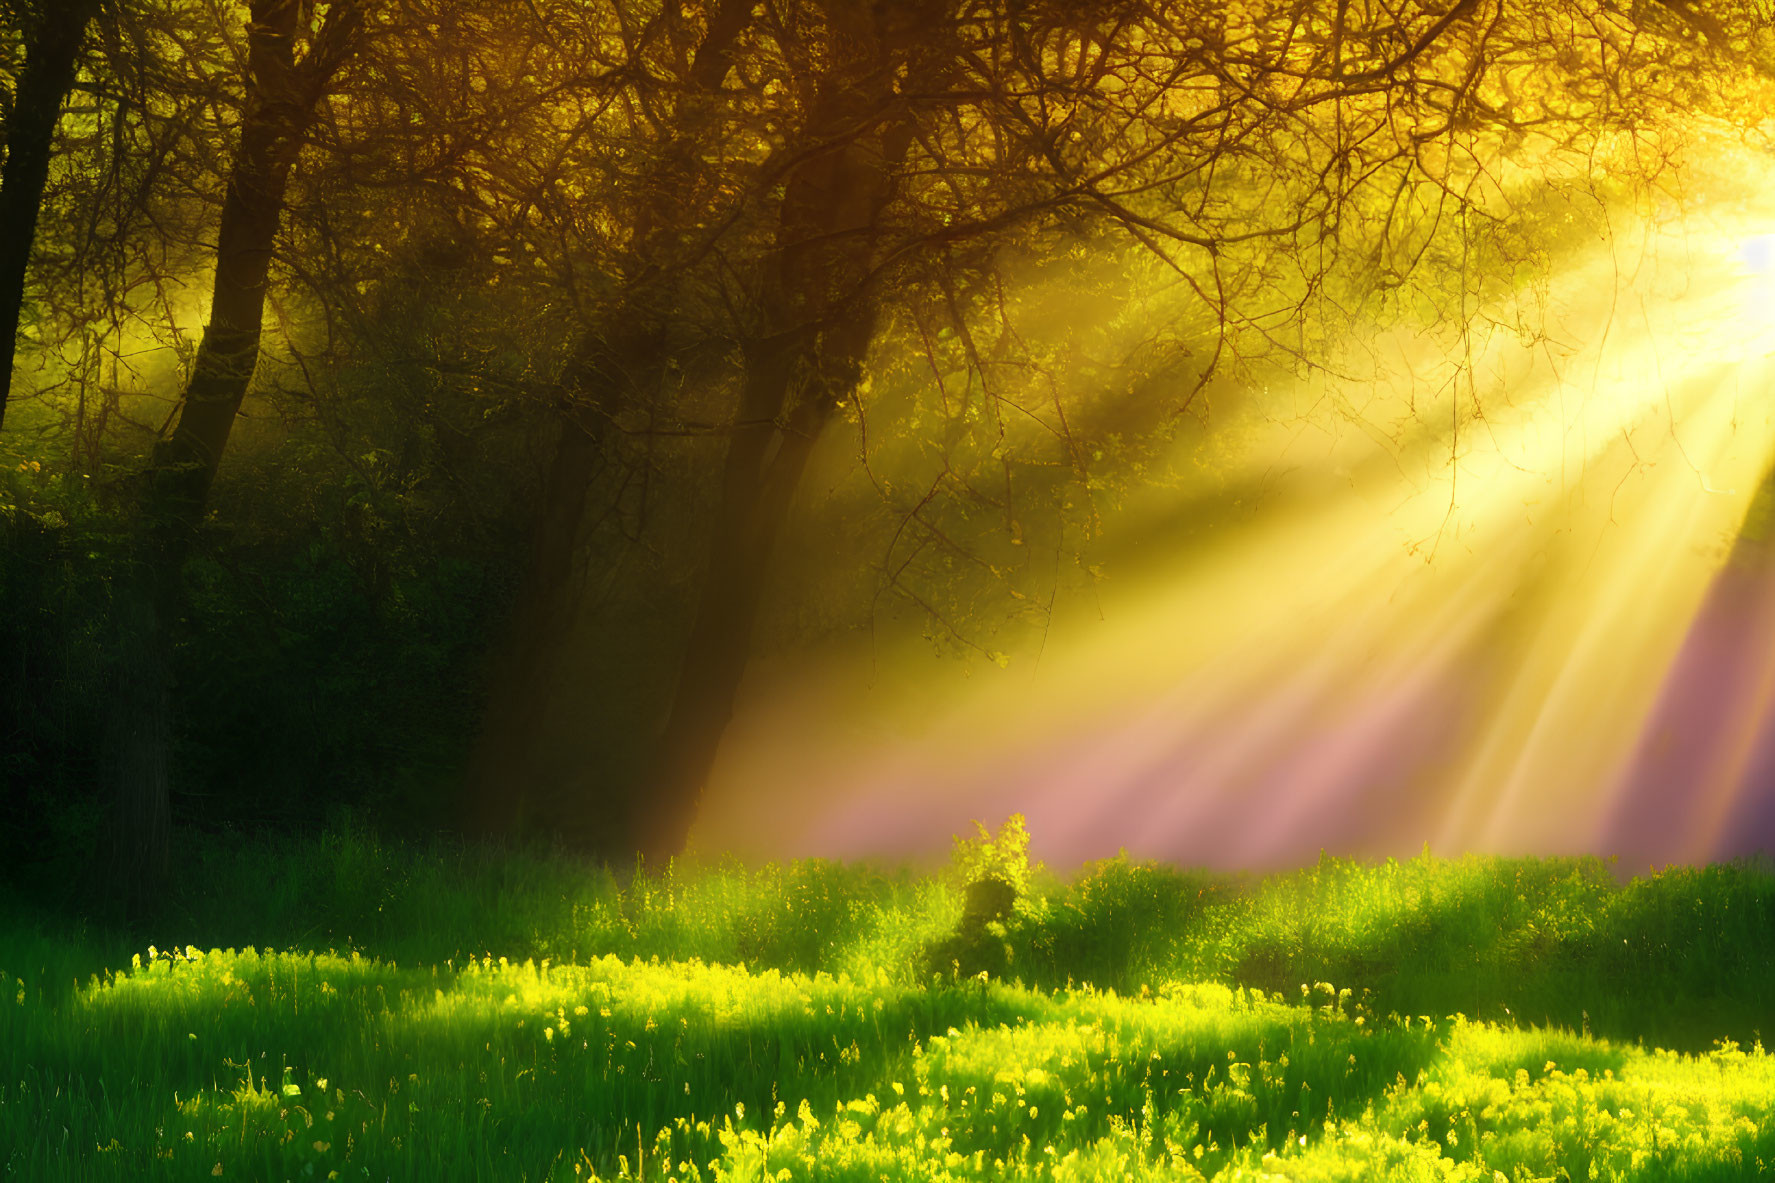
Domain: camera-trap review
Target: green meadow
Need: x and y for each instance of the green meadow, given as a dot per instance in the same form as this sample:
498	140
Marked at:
347	1008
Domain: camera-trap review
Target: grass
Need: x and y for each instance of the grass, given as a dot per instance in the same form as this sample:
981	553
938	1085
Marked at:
341	1008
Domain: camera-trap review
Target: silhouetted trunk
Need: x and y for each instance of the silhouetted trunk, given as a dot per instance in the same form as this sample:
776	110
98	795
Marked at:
765	462
281	98
821	318
507	764
617	365
51	58
138	733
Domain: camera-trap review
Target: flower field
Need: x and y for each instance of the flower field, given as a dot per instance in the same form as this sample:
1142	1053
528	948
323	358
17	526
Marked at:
344	1009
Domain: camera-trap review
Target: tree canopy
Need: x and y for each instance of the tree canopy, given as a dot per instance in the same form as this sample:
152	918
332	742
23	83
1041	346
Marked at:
432	405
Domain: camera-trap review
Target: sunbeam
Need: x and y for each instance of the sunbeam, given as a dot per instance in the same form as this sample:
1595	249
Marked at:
1496	636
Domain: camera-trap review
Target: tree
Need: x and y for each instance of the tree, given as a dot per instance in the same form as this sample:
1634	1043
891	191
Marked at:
616	365
282	95
707	236
816	320
1255	151
55	31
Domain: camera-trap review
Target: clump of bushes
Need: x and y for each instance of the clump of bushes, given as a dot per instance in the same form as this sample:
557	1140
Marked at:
1001	907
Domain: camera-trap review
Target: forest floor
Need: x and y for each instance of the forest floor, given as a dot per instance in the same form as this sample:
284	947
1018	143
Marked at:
344	1008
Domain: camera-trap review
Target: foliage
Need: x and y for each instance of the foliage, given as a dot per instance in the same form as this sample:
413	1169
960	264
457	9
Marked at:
321	667
996	883
433	1012
1003	856
58	551
517	224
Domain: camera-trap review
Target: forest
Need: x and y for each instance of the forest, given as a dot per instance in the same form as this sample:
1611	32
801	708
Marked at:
568	525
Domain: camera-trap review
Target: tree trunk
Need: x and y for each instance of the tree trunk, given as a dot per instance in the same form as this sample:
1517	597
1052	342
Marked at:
506	767
281	98
758	485
52	56
616	365
138	735
824	320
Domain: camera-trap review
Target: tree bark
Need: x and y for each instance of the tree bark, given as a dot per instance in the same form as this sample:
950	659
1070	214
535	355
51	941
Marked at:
507	766
616	365
281	99
52	56
764	466
138	734
820	320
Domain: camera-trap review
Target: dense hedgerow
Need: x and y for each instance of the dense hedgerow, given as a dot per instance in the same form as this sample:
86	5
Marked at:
527	1016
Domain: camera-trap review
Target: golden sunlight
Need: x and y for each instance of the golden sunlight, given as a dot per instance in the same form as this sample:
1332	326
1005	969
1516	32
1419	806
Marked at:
1465	613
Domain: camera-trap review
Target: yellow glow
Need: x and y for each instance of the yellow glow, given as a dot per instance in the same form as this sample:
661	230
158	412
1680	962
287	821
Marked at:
1460	640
